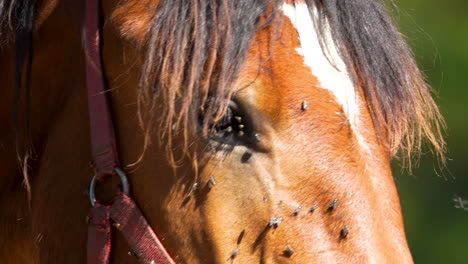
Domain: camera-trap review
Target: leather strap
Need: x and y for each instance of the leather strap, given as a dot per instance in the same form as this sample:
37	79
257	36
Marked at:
124	212
140	236
103	144
99	235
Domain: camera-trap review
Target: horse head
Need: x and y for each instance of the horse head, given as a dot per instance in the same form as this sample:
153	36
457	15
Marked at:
250	131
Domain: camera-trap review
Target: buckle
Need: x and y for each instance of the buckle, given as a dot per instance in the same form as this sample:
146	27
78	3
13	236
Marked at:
92	185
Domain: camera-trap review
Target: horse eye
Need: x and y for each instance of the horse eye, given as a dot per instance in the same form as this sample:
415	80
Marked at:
233	128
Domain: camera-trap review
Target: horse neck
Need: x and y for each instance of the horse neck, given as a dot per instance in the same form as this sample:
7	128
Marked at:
56	79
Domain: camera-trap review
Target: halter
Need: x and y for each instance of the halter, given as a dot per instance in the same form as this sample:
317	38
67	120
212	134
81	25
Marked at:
123	213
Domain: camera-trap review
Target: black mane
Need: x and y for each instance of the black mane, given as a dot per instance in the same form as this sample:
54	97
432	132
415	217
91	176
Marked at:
383	65
16	22
196	49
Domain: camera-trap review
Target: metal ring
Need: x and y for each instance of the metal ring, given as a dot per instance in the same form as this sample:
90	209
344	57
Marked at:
92	185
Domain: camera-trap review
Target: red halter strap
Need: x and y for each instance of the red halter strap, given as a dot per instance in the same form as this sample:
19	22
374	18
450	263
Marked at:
123	212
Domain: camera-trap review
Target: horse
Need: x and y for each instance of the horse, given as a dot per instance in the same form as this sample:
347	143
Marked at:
250	131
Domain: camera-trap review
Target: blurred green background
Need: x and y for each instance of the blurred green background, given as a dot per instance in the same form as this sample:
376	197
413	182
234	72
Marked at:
438	33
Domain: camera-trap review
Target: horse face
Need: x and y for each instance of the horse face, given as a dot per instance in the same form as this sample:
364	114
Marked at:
304	169
294	171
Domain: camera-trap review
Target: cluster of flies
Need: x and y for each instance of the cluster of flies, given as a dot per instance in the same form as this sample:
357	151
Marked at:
276	221
232	125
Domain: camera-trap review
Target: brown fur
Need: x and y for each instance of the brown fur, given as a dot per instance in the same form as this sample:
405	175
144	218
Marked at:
302	157
404	122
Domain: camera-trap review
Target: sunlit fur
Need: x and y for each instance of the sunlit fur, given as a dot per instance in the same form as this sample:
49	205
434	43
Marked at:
172	68
376	56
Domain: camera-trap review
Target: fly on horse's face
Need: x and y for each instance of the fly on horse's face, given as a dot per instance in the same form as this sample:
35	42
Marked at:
282	154
296	133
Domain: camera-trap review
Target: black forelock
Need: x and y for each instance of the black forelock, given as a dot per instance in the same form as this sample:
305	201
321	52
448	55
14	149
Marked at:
383	65
196	50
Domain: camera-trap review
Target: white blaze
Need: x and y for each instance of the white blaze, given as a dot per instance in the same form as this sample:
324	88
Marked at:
329	69
333	77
